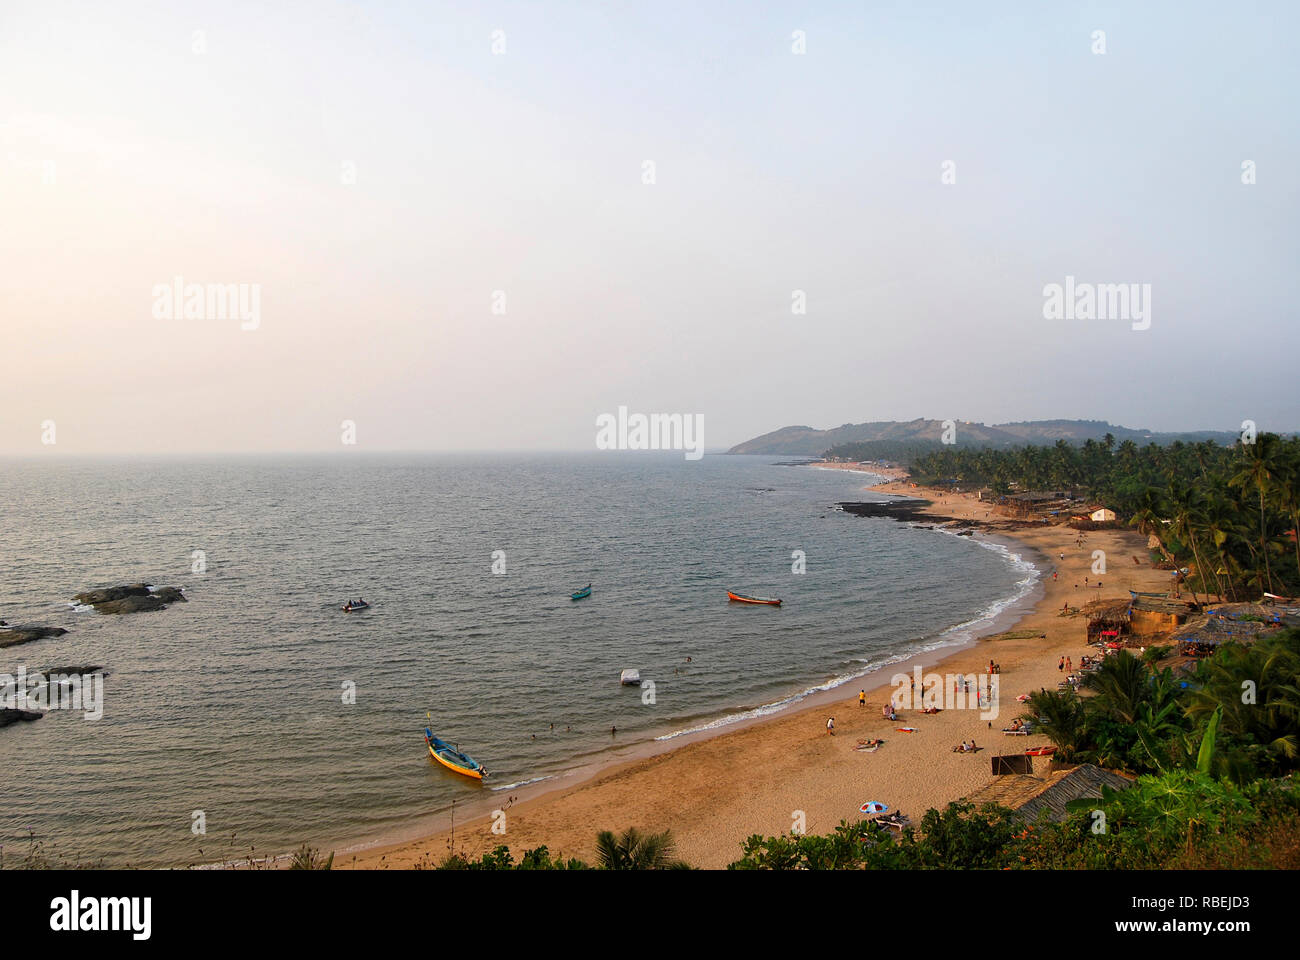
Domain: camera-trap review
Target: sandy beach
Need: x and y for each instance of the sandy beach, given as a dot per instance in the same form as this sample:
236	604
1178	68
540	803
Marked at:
715	792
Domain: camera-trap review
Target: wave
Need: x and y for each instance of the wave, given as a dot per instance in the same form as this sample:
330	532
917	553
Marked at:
952	636
521	783
988	616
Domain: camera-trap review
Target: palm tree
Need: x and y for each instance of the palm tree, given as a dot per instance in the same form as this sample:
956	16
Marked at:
1121	685
1270	718
634	850
1220	524
1186	518
1147	517
1063	720
1256	470
1288	492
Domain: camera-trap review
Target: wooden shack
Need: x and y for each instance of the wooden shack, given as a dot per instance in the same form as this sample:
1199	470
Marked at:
1108	620
1155	616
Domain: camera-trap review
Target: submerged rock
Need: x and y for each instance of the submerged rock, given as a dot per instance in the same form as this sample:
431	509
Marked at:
12	636
10	715
78	669
133	598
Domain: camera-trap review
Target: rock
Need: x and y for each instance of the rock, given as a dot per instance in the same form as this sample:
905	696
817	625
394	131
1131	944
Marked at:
130	605
12	636
133	598
95	597
10	715
79	669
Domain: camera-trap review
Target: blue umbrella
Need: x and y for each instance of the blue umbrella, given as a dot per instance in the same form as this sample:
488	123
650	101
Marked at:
872	807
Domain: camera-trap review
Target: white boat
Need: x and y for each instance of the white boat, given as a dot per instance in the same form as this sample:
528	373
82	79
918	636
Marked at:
630	677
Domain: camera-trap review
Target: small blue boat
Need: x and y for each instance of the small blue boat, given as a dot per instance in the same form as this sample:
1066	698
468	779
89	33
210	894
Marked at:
581	594
453	759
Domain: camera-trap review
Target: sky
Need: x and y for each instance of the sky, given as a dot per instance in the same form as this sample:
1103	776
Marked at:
483	225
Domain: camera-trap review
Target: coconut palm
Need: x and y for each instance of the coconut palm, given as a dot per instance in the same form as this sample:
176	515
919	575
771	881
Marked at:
634	850
1061	719
1257	689
1186	507
1287	492
1121	685
1257	469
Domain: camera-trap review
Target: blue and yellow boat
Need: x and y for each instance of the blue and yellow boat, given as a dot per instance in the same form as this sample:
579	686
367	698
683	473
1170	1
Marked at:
453	759
581	594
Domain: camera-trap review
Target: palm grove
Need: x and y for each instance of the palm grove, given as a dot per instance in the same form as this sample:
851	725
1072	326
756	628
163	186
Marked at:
1229	514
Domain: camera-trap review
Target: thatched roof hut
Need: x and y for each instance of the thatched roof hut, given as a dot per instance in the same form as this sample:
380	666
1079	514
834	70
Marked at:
1226	623
1107	619
1155	615
1027	795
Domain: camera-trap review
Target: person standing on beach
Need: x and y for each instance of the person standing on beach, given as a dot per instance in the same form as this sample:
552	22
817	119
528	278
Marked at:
830	726
862	698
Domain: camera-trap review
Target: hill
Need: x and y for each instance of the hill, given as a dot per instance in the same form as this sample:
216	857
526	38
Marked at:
923	433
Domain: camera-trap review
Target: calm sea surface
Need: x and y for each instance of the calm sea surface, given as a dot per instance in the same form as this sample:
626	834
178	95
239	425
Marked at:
233	703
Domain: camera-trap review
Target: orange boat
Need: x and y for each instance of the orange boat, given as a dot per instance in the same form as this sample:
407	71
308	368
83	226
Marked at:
741	598
1040	752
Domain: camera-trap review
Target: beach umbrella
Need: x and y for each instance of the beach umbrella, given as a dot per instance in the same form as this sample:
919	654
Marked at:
872	807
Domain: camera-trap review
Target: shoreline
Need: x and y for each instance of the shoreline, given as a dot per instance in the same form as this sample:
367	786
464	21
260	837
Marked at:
715	785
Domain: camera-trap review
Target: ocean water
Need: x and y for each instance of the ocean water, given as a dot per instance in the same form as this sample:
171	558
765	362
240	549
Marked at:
233	703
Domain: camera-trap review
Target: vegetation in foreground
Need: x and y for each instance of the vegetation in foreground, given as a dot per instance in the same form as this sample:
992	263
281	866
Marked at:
1173	821
1218	788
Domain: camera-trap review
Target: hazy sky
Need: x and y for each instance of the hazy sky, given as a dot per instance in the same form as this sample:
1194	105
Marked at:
214	141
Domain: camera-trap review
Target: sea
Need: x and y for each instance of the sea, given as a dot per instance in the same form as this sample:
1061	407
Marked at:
258	716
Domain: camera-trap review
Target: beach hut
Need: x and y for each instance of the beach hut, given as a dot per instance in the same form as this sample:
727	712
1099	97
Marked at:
1155	615
1082	782
1200	636
1103	515
1108	620
1026	795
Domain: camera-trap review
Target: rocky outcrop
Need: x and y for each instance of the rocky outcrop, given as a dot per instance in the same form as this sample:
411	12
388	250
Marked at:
80	669
133	598
12	636
10	715
909	509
